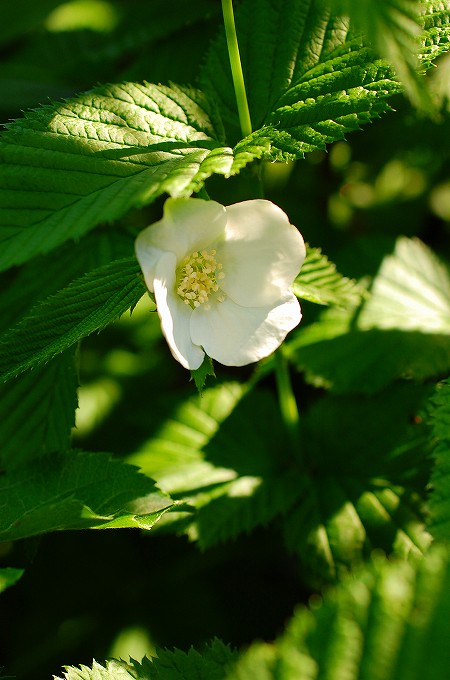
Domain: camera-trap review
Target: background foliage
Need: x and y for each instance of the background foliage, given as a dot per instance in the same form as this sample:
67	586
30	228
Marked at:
247	547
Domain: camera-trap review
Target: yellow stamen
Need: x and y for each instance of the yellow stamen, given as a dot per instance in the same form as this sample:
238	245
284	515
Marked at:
197	278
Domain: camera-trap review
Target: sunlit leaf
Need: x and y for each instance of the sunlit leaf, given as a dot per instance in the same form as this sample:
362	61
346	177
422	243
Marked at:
367	458
320	282
401	331
68	167
388	623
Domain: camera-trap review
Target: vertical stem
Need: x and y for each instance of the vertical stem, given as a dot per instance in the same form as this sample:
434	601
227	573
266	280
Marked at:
236	68
286	397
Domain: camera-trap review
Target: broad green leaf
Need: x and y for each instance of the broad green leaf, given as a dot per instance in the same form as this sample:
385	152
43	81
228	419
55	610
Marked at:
320	282
68	167
47	274
402	330
9	577
367	458
313	83
37	412
210	455
77	491
388	623
394	28
212	663
439	502
86	305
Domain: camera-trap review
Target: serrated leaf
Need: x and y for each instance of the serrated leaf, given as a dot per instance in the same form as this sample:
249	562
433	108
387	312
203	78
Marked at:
46	275
86	305
388	623
37	412
9	577
439	501
77	490
210	455
312	84
366	489
212	664
394	27
113	670
402	330
68	167
321	283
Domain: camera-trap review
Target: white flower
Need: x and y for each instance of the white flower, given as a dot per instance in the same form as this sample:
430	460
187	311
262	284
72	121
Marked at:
221	278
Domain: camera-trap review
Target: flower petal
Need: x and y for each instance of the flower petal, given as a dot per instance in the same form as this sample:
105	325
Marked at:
237	336
188	224
175	315
262	253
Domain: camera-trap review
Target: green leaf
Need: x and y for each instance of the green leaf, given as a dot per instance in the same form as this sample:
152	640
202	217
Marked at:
439	502
321	283
68	167
212	664
388	623
86	305
46	275
9	577
200	375
113	670
402	330
366	486
210	455
77	491
37	412
313	82
394	27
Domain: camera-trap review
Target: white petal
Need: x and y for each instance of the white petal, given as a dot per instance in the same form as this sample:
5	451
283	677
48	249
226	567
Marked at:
188	224
237	336
175	315
262	253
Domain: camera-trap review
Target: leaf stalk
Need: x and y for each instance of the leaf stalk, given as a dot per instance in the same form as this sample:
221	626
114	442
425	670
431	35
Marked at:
236	68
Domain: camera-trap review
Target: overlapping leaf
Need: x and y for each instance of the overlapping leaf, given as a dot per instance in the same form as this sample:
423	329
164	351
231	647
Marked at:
368	479
313	82
388	623
77	491
211	455
212	664
86	305
402	330
37	411
68	167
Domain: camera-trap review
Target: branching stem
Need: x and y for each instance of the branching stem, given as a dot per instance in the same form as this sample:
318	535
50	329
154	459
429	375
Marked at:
236	68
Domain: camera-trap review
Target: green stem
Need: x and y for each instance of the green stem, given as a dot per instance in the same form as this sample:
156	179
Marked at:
236	68
288	403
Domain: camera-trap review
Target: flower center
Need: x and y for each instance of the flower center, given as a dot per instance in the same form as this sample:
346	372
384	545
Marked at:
197	278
